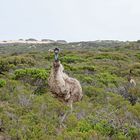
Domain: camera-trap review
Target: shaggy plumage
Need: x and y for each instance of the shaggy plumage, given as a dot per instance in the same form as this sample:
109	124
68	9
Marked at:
65	88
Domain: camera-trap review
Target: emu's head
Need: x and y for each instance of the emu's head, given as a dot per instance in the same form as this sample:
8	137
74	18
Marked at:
57	66
56	51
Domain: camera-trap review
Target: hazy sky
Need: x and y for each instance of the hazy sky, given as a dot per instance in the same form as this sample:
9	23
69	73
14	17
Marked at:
71	20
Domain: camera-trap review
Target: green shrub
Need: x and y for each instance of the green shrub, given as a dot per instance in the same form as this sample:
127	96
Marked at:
138	55
112	56
10	62
107	78
35	77
32	73
83	126
2	82
89	68
104	128
85	79
121	136
71	59
135	66
70	67
91	91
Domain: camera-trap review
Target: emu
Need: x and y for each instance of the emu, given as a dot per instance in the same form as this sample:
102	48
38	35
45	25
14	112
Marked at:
65	88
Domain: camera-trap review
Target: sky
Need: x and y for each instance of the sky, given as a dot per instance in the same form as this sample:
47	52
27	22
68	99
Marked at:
70	20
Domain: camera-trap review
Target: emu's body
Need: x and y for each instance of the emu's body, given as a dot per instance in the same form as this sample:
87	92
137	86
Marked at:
130	79
132	82
65	88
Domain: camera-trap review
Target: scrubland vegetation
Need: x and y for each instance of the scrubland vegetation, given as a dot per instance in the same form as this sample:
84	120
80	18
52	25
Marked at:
110	108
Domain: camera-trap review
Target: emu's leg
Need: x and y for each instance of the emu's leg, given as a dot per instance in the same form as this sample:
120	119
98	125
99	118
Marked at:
63	119
70	104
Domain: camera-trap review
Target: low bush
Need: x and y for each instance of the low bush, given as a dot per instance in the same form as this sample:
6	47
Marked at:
107	78
2	83
35	77
72	59
10	62
31	73
112	56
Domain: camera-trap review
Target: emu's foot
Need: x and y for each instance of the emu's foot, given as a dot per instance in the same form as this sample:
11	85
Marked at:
63	118
62	126
60	129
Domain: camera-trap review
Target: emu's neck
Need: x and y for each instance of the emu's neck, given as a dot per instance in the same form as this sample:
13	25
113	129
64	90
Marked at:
56	72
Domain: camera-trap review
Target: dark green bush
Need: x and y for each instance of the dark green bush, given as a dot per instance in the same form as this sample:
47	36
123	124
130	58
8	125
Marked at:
112	56
10	62
107	78
92	91
35	77
104	128
89	68
32	72
138	55
72	59
2	82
